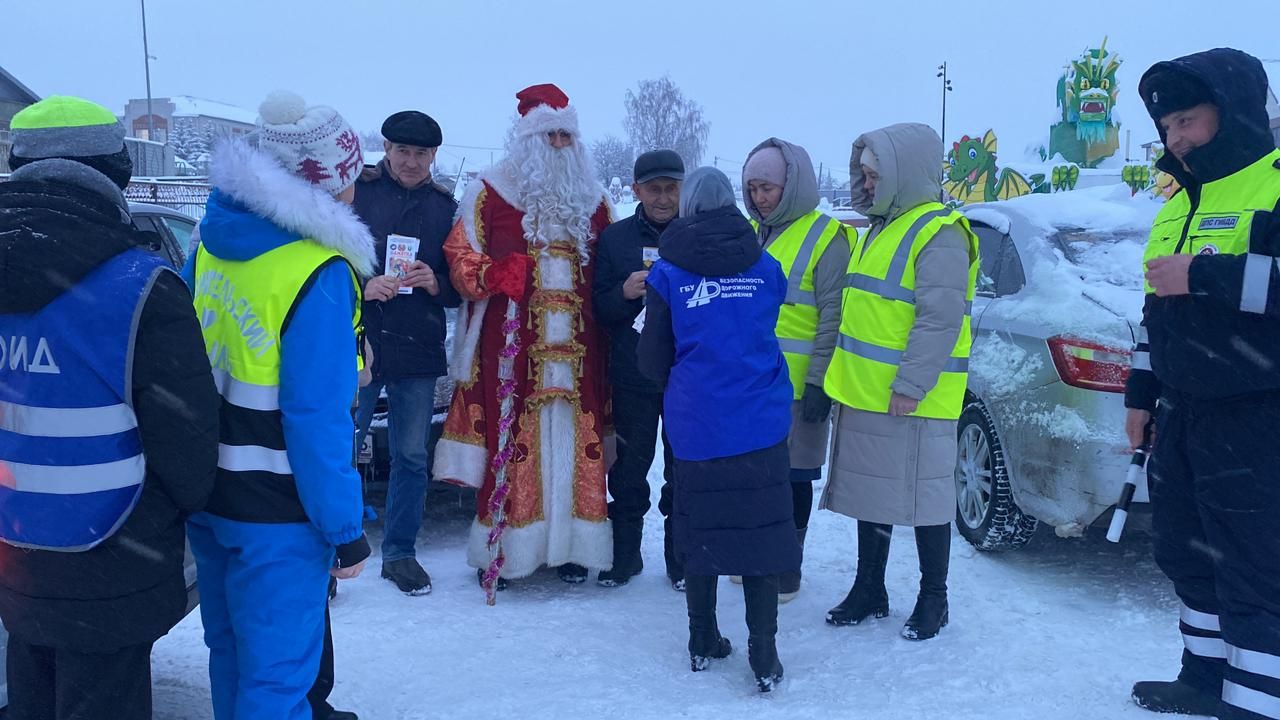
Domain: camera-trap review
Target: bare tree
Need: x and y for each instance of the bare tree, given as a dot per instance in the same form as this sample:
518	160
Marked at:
660	116
614	158
371	141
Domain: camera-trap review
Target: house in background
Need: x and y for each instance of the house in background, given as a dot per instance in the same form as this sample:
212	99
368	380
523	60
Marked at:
189	125
13	97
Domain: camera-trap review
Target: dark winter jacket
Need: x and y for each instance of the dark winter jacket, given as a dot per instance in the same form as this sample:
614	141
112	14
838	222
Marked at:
130	589
407	332
1203	345
619	253
709	340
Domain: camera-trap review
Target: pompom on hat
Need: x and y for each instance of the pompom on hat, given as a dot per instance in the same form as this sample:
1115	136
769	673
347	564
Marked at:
545	108
314	143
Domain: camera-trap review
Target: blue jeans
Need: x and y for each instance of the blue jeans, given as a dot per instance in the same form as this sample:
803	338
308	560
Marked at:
412	402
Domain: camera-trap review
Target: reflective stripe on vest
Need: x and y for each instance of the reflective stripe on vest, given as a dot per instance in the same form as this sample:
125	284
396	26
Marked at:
71	462
878	312
244	308
799	249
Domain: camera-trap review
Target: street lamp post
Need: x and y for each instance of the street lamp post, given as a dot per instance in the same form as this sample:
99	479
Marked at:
946	88
146	59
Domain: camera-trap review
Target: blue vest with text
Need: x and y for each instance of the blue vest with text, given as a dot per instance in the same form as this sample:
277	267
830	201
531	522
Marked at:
71	463
729	392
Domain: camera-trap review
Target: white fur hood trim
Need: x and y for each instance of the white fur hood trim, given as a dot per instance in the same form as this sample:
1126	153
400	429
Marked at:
259	182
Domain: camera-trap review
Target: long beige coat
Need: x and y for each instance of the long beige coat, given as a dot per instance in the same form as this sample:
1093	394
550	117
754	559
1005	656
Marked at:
900	470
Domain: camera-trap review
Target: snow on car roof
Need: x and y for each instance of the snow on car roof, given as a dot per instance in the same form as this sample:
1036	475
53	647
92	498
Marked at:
1085	294
1105	208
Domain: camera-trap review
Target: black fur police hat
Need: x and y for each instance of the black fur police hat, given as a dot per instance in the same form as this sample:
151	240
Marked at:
1167	89
410	127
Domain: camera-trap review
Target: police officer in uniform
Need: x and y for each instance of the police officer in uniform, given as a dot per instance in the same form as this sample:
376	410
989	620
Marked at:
1208	353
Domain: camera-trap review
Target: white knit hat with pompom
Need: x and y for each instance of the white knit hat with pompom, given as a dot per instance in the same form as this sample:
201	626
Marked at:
314	143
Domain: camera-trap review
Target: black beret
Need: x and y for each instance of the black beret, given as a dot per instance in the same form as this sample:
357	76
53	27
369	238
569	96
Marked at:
410	127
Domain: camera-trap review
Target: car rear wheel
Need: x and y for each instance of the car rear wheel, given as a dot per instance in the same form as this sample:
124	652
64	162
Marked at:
986	513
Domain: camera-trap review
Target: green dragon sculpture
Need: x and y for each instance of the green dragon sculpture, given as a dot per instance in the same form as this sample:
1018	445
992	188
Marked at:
972	175
1087	133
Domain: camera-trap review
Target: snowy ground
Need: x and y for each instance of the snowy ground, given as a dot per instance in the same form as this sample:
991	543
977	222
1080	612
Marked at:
1058	630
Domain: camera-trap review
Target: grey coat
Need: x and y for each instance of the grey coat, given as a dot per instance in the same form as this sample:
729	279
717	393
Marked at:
900	470
808	441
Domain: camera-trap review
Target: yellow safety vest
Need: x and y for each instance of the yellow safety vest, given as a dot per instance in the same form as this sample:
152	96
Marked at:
798	249
1221	222
244	308
878	311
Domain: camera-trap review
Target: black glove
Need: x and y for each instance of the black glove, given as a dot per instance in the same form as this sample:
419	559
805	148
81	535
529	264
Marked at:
815	406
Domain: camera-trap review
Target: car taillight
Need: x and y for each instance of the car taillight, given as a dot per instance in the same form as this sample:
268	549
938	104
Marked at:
1090	365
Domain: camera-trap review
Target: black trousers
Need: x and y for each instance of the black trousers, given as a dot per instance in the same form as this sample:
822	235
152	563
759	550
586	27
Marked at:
635	417
55	684
318	696
1215	494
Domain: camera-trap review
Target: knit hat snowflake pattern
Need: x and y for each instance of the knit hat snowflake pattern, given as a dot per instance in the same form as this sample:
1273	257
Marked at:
314	143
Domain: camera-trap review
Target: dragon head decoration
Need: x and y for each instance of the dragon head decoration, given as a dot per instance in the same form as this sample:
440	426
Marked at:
970	159
972	175
1087	132
1090	91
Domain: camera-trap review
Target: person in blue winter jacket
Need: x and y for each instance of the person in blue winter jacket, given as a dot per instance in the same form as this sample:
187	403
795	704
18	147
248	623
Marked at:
709	342
276	287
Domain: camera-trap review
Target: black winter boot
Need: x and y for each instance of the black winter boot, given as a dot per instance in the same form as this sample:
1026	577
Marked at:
705	641
1175	697
789	582
931	614
572	573
868	597
627	562
761	595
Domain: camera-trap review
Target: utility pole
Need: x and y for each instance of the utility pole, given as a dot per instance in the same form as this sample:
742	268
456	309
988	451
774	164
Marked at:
146	58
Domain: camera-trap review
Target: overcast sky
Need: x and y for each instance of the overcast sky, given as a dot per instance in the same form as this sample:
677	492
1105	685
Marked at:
815	73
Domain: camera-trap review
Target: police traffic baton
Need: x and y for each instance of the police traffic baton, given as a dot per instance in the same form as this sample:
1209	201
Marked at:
1136	465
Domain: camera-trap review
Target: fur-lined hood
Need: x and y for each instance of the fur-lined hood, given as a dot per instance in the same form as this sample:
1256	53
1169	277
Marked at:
249	181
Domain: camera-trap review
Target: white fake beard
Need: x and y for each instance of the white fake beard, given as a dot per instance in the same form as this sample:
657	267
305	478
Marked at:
559	190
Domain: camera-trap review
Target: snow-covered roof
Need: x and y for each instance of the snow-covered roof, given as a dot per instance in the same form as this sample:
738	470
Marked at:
188	106
19	90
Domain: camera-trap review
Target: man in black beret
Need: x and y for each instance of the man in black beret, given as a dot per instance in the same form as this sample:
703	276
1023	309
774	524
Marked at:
405	324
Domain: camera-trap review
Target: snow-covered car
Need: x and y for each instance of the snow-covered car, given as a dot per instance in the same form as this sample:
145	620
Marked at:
169	233
1058	303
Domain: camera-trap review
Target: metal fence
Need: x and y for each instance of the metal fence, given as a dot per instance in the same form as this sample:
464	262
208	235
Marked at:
186	195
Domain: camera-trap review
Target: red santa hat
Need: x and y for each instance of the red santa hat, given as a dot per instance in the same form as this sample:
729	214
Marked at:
545	108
